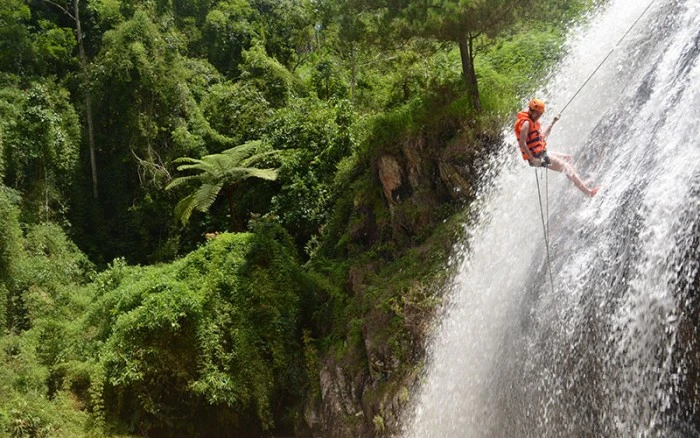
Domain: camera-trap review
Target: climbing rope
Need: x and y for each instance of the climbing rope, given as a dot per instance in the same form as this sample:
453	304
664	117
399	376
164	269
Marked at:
546	196
544	229
606	58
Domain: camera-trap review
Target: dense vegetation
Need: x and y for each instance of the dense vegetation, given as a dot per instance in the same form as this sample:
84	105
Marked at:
132	129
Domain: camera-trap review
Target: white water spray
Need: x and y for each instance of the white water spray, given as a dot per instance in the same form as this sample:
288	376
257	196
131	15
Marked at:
599	356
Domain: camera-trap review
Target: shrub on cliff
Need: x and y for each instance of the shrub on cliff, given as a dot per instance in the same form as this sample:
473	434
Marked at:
211	342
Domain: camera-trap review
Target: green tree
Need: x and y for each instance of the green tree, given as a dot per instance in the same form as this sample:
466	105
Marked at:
219	172
327	80
462	22
351	33
40	148
236	110
267	75
147	107
75	16
227	32
317	137
286	28
15	39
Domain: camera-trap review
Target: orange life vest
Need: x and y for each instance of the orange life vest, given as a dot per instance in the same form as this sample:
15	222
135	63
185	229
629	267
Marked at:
535	142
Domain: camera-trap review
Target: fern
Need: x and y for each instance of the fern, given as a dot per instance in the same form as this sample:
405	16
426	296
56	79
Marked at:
216	172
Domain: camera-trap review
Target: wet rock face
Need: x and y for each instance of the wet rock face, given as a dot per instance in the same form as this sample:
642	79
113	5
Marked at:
687	348
417	179
423	173
391	178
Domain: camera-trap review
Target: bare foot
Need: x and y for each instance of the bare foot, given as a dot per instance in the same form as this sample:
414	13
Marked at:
594	191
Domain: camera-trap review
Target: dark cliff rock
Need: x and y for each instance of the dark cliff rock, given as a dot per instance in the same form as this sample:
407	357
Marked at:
365	391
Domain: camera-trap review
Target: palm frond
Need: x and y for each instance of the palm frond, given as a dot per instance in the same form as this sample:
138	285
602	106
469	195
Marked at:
186	160
244	150
251	161
200	165
180	180
253	172
206	195
219	164
184	208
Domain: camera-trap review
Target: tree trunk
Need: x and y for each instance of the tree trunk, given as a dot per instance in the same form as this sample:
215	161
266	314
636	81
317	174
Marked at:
88	100
231	209
466	52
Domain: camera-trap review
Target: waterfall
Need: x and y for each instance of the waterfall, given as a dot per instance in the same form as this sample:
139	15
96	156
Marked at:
610	351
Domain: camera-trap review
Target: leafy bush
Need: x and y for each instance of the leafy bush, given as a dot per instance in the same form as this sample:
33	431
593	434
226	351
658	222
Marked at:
515	67
212	339
327	79
26	409
10	248
236	110
267	75
227	32
15	39
40	148
317	137
51	268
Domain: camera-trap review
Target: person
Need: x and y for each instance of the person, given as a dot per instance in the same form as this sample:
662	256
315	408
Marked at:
533	145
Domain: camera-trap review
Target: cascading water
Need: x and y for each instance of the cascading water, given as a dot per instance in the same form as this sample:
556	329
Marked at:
611	351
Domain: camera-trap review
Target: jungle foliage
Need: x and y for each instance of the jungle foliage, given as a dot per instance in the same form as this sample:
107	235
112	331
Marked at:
260	117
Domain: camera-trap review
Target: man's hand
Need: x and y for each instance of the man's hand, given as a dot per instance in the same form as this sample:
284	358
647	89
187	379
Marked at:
551	125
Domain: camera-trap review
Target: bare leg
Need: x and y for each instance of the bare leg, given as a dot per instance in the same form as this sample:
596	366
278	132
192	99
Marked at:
559	165
564	157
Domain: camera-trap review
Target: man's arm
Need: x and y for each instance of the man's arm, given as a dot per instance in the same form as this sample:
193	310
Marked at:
522	141
549	128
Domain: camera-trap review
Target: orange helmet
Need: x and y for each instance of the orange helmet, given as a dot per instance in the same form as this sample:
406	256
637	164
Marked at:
536	105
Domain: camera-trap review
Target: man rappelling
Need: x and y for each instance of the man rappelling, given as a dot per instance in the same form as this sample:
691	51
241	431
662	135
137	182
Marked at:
533	145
